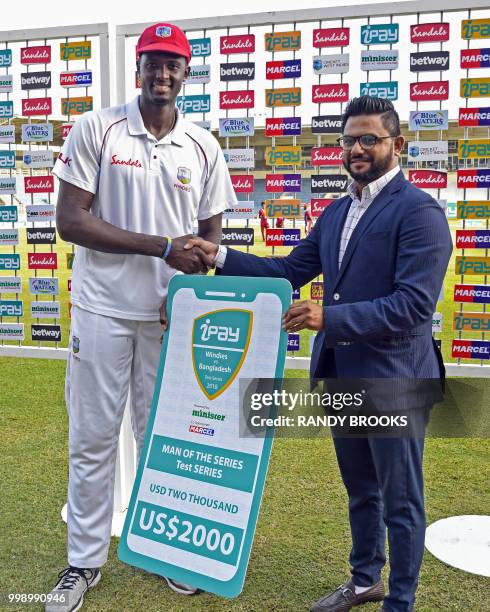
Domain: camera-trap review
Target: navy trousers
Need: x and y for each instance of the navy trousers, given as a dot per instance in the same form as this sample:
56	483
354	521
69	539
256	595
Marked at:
384	481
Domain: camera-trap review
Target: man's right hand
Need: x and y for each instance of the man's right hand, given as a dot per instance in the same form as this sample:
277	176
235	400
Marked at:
209	248
190	260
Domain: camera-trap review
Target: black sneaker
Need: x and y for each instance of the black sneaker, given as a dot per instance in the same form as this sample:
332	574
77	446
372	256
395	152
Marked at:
73	583
181	587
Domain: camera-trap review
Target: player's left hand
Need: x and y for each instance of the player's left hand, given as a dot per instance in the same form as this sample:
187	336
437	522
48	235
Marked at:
304	315
163	316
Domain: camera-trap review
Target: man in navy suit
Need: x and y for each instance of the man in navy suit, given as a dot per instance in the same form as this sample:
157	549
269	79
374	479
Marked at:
383	250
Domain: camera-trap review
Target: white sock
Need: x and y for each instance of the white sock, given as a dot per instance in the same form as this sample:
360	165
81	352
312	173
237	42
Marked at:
360	590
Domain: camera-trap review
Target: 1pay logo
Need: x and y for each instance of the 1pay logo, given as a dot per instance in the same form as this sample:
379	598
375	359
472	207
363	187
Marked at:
220	341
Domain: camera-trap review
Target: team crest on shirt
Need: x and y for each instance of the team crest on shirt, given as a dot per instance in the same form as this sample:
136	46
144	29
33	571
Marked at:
184	175
76	344
163	31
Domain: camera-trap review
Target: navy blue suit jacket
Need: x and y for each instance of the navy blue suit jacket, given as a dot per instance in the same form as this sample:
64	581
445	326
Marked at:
378	307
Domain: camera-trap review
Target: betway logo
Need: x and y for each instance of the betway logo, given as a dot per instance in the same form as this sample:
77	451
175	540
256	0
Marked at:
45	332
244	71
441	61
237	236
36	80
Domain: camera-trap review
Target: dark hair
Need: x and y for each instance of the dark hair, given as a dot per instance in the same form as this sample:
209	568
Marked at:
369	105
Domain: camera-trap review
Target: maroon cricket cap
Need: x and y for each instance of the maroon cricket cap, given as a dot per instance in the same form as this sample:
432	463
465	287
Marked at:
164	37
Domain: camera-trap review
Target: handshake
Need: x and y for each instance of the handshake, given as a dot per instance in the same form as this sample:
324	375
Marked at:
192	255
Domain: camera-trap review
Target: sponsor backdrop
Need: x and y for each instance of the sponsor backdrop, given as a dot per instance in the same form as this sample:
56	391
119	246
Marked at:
44	89
263	91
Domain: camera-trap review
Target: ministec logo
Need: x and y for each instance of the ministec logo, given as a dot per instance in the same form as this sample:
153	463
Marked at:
46	333
474	116
331	64
41	236
381	89
474	149
241	71
472	266
328	183
37	132
318	205
471	321
7	160
9	237
282	237
81	78
8	186
428	120
45	310
473	178
283	126
472	209
472	239
316	291
287	96
194	104
42	261
12	331
39	184
6	83
289	209
43	286
8	214
279	183
6	109
283	156
243	98
475	58
35	80
242	183
239	43
475	28
293	342
326	124
199	74
35	55
201	47
338	92
76	106
429	90
11	308
36	106
283	41
471	349
9	261
379	60
237	236
5	58
474	88
10	284
285	69
326	156
429	32
331	37
7	134
475	294
428	179
386	33
427	61
237	127
76	50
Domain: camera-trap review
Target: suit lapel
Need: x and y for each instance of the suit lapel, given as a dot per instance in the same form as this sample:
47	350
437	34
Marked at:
377	205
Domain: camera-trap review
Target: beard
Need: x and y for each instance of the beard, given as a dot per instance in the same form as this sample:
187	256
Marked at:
378	168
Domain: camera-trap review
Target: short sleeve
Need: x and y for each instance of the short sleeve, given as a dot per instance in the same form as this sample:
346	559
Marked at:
218	193
78	162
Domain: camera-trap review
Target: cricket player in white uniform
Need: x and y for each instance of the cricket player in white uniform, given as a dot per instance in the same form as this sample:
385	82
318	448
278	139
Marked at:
134	179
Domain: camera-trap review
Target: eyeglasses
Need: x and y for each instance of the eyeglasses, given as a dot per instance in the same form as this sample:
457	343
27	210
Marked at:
367	141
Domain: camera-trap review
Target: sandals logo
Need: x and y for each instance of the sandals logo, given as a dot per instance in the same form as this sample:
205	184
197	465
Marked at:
220	341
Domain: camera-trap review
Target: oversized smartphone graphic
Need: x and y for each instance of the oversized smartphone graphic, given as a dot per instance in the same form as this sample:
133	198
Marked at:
198	488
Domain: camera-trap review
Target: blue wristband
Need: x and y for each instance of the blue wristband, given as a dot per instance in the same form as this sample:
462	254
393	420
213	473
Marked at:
166	253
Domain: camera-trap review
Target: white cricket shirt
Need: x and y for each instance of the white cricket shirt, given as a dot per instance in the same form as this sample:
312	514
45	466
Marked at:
142	185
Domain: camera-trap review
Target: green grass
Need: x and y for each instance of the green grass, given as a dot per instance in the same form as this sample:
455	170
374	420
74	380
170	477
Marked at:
302	541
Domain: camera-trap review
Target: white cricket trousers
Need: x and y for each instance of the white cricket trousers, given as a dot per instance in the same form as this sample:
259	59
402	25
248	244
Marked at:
106	355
